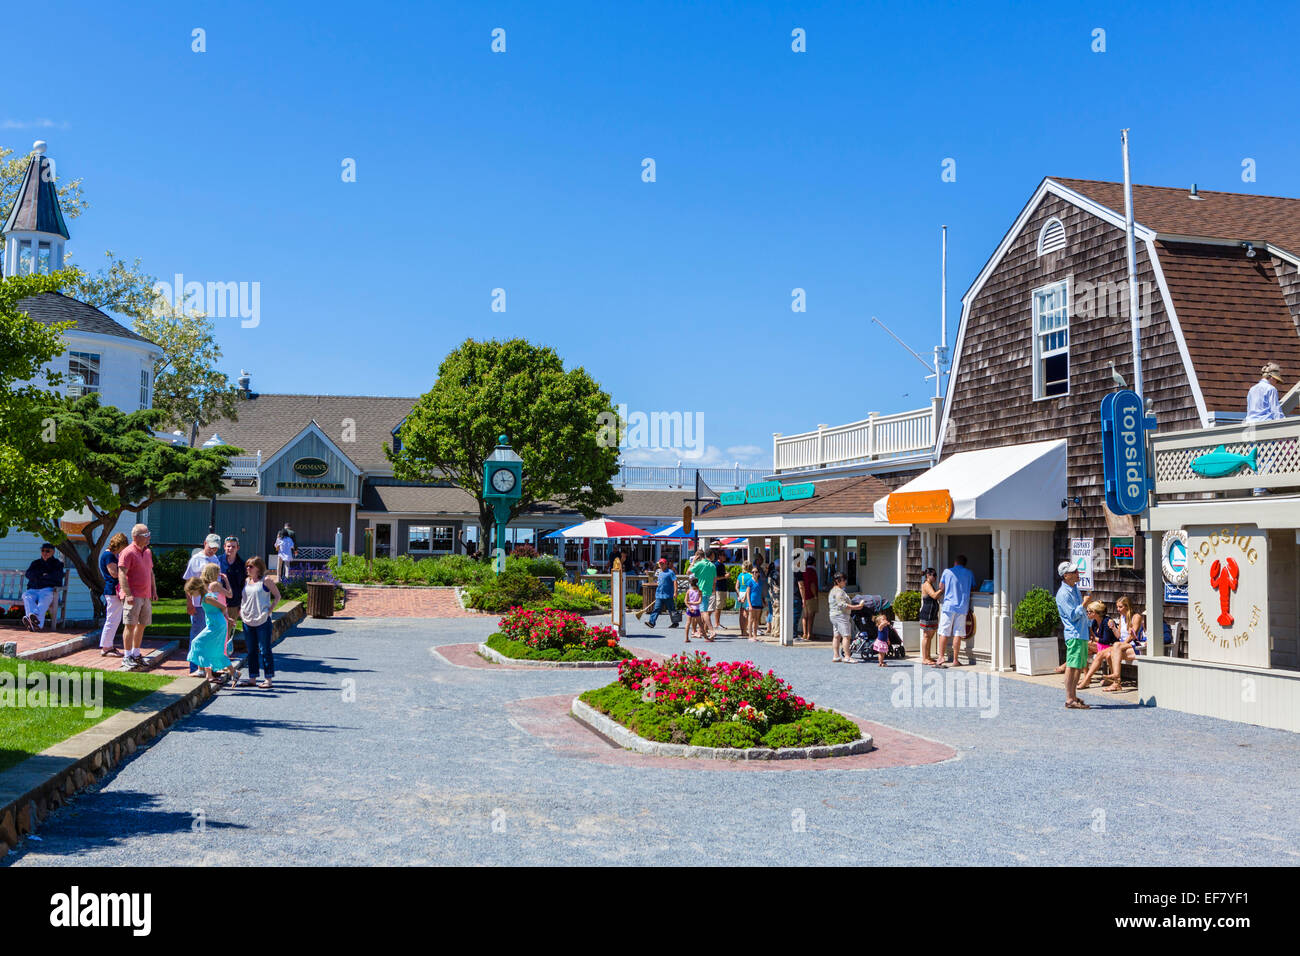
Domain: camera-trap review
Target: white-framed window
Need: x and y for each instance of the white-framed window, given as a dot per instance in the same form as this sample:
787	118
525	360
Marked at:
144	388
43	258
26	261
83	369
425	539
418	537
1051	332
1052	237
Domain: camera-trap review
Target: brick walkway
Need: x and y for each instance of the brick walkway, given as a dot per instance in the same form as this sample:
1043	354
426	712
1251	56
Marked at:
32	640
403	602
90	657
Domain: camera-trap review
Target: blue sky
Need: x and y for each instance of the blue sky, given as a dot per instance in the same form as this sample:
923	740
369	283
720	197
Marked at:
522	171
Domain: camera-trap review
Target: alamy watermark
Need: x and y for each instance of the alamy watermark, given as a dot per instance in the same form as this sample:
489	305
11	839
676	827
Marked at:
935	687
222	300
40	689
681	432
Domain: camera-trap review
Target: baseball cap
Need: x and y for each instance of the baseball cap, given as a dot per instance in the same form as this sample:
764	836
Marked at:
1064	568
213	539
1273	371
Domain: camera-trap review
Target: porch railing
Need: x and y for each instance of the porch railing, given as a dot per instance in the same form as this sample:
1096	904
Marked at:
875	438
1228	459
244	467
668	476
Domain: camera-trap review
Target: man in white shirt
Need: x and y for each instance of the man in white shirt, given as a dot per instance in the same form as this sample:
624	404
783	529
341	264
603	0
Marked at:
211	545
1261	401
284	548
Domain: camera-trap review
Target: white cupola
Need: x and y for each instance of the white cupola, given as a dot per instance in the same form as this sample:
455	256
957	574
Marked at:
34	232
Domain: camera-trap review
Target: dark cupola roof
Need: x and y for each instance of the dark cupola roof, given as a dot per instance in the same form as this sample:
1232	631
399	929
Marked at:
36	208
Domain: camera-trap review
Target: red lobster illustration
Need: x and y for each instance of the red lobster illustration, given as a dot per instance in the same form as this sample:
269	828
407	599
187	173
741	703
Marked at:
1224	580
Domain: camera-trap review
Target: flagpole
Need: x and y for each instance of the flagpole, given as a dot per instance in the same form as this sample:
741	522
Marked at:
1134	319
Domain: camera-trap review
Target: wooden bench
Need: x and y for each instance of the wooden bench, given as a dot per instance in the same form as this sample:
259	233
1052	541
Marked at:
1128	671
14	583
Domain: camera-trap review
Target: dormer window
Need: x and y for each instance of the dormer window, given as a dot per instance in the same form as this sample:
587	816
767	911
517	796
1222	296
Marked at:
1052	237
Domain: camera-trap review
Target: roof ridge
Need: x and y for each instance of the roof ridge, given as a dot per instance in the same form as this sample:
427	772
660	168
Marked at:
1179	189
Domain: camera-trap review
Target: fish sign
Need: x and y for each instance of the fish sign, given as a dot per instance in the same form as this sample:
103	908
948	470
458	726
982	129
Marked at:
1124	452
1221	463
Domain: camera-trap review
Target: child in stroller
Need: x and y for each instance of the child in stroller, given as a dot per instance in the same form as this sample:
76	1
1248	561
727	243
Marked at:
872	624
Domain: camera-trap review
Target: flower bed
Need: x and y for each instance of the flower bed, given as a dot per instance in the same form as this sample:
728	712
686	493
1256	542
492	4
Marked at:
688	699
554	635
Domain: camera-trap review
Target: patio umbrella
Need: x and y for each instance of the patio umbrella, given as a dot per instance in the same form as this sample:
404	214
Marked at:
732	543
673	530
600	528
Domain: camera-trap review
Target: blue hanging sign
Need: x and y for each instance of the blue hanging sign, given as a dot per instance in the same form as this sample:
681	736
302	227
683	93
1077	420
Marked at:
1124	452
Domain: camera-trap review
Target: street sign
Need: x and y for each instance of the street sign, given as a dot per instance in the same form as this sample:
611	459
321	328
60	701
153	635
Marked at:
1124	452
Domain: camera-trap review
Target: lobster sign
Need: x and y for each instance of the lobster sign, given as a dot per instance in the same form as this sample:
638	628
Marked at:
1224	578
1228	591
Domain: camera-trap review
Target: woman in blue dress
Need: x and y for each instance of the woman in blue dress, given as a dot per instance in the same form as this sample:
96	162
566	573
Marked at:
208	649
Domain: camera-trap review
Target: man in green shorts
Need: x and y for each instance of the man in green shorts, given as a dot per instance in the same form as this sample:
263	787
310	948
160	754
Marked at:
1070	603
705	574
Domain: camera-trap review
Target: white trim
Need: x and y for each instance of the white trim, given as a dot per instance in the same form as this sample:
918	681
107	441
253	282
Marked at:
796	524
311	426
1290	257
1036	356
1193	382
103	338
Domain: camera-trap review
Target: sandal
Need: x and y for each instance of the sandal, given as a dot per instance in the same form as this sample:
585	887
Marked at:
1077	704
264	683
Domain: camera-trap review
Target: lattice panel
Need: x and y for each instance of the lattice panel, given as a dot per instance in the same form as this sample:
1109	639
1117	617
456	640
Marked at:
1278	461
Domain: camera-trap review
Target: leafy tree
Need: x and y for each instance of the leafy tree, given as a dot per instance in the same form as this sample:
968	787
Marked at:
551	416
122	467
30	487
188	388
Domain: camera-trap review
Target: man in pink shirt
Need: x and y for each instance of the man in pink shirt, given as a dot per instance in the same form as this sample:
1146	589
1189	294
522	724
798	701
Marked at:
139	591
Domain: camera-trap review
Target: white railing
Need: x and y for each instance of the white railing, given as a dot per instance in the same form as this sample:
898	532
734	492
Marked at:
1256	455
875	438
667	476
244	467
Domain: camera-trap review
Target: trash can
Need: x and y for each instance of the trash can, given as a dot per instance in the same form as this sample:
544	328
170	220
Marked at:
647	594
320	599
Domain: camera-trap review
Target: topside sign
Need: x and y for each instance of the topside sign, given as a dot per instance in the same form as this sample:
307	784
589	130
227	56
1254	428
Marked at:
1124	452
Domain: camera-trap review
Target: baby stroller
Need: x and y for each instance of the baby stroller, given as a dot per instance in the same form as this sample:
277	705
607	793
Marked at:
864	626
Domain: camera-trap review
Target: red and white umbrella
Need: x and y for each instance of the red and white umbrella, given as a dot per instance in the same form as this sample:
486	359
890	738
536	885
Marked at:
600	528
732	543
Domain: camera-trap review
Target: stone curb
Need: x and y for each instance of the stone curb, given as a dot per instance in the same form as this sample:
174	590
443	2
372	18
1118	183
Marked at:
612	730
50	651
498	658
33	789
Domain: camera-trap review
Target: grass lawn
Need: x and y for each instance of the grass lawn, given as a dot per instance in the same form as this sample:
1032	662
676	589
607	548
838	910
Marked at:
170	619
27	730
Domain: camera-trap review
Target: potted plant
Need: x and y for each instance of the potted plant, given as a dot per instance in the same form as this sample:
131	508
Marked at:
1036	620
907	608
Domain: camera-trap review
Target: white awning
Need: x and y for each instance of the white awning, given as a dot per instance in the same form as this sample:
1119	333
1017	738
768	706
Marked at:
1011	483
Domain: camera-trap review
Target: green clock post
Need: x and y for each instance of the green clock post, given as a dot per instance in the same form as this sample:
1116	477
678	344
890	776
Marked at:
503	480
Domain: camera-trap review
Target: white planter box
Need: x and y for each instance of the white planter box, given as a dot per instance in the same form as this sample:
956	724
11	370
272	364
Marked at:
910	632
1036	655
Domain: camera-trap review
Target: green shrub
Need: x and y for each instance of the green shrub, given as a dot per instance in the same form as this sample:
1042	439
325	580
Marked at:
518	650
728	733
907	605
657	722
821	728
634	602
507	590
168	569
1036	615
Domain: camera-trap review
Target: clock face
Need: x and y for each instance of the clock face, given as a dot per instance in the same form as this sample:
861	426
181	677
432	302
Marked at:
503	480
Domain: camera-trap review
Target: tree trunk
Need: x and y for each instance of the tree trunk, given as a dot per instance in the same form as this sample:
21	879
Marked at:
89	573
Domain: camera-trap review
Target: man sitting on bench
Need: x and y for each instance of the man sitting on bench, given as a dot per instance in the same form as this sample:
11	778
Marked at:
43	576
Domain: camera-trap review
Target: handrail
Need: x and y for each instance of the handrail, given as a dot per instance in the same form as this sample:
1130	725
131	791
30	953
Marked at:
874	438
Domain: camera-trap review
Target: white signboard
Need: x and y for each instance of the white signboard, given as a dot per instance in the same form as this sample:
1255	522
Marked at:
1081	555
1227	595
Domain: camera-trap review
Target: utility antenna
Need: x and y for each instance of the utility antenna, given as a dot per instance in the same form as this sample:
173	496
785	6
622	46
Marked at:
932	369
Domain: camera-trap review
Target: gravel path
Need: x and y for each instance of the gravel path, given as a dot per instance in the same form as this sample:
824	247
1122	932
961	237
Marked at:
373	749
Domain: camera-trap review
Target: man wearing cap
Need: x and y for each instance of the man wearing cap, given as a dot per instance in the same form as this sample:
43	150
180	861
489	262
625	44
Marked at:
665	596
1070	604
43	576
1261	401
211	545
139	589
